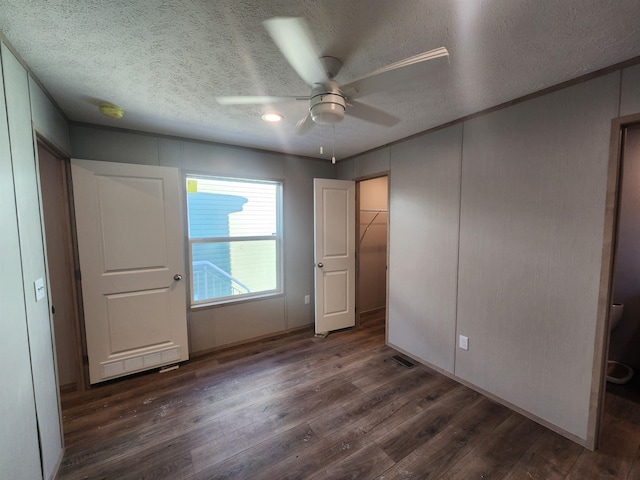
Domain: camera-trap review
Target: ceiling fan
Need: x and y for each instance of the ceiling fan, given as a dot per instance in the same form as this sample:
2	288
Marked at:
328	101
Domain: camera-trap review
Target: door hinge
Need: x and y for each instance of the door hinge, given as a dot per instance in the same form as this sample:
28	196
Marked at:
77	274
85	360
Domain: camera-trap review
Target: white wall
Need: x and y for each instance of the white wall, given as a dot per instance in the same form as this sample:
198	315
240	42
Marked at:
227	324
522	277
30	418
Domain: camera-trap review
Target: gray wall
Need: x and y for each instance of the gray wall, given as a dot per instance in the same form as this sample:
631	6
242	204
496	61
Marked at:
630	92
496	233
17	417
531	230
423	245
367	164
223	325
29	420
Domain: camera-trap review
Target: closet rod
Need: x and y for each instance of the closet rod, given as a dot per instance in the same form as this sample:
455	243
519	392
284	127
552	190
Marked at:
368	210
377	212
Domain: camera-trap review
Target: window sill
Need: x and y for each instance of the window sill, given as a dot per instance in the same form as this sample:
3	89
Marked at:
231	302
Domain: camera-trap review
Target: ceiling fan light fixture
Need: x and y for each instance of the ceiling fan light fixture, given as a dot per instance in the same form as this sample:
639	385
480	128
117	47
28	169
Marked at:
272	117
327	109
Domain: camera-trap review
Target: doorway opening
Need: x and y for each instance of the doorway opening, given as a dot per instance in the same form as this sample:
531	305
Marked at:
61	257
619	175
624	334
372	203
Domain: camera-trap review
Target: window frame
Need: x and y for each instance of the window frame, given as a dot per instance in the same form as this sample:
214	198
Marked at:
239	298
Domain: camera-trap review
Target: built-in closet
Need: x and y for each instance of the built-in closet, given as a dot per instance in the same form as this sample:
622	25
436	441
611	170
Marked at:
373	213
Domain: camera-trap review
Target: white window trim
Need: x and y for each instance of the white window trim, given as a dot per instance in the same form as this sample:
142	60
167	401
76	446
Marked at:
219	301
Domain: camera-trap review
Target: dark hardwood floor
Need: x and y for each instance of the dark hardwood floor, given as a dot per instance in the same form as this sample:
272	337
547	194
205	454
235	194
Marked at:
302	407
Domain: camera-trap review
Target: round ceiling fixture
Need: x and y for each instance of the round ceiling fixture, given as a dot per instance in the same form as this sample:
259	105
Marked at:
272	117
110	110
327	104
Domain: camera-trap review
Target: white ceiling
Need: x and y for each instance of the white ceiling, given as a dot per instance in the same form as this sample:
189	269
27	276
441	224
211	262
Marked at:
164	62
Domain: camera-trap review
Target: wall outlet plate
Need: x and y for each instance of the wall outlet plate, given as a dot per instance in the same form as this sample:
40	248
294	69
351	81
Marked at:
307	299
463	342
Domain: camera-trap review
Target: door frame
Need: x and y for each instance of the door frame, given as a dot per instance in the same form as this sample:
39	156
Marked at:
607	273
79	342
386	174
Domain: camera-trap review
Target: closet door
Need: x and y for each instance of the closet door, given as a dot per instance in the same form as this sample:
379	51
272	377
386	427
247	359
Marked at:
335	266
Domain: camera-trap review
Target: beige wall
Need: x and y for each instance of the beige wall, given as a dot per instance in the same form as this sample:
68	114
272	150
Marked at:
496	233
222	325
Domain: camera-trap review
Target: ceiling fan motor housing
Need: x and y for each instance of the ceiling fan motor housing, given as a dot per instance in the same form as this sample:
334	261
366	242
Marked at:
327	104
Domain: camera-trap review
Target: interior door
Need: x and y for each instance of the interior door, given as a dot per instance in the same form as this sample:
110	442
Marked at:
334	257
131	260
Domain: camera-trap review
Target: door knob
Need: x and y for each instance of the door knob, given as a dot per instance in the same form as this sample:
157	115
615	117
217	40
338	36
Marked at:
320	265
177	277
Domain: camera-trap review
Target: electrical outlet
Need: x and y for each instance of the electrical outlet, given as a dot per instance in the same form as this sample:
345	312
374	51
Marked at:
464	342
307	299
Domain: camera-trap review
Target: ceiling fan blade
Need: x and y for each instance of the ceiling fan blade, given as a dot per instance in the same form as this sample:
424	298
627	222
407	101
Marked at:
305	124
370	114
255	100
293	38
360	85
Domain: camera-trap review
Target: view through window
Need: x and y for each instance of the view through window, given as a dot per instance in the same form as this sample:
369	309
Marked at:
234	238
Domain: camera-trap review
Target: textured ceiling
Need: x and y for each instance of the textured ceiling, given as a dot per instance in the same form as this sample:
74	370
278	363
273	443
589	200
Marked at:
164	62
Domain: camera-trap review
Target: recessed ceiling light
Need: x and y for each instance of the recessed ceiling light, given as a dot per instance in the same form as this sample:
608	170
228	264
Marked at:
272	117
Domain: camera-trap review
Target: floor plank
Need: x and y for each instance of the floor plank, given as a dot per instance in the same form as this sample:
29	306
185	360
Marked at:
364	463
431	460
422	428
253	460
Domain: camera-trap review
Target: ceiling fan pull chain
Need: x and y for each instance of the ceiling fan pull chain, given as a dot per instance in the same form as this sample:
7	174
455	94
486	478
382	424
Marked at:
333	144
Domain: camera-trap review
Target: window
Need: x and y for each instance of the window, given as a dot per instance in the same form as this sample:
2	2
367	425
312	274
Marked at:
234	238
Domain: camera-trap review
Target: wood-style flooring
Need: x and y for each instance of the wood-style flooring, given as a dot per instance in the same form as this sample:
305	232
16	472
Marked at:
301	407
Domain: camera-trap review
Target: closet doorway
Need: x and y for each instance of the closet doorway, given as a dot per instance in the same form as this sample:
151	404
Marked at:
58	225
372	197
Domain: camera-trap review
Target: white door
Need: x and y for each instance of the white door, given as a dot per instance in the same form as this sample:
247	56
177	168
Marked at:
131	260
334	257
